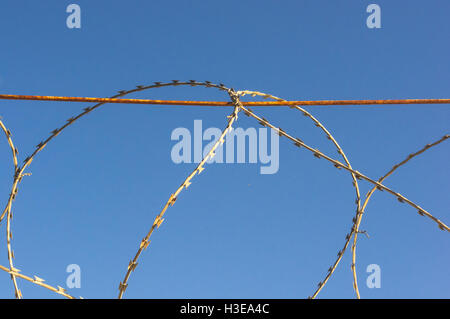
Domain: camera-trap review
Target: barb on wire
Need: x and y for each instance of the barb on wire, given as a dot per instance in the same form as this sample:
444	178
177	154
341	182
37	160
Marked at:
37	281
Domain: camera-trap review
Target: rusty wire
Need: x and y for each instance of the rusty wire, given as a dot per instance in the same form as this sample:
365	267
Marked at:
19	172
278	102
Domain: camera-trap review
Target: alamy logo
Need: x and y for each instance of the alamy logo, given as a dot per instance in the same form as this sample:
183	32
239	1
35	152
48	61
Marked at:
74	279
374	279
73	20
374	19
188	150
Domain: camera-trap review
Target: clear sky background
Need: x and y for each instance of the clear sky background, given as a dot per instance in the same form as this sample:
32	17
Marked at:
96	189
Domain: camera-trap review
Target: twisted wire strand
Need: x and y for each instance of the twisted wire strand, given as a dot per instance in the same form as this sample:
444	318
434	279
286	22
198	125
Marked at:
173	197
17	292
329	136
371	192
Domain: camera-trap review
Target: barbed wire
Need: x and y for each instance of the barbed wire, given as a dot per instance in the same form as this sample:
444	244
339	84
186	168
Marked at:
369	195
299	143
37	281
354	229
173	197
19	172
238	105
7	210
329	136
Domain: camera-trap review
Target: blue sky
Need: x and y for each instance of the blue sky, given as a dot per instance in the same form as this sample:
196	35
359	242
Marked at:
96	189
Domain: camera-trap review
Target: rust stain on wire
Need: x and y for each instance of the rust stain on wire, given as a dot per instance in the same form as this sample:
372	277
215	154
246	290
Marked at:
219	103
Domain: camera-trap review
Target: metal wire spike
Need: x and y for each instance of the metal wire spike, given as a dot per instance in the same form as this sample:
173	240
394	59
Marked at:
200	169
122	287
37	279
262	123
144	243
